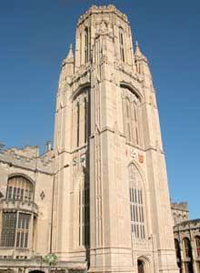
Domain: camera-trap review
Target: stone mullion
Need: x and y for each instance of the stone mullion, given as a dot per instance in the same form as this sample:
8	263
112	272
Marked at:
16	228
30	233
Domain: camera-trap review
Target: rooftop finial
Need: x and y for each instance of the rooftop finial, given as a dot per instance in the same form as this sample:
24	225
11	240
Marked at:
138	52
70	54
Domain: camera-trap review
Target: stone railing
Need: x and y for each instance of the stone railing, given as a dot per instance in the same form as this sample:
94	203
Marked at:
24	205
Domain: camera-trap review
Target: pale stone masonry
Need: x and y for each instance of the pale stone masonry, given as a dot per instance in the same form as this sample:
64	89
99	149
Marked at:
99	200
187	239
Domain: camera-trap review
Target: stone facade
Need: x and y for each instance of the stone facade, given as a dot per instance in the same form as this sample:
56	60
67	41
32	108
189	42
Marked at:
180	212
99	200
187	239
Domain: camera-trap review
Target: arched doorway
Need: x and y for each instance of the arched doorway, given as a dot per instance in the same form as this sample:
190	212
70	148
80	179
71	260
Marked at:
141	266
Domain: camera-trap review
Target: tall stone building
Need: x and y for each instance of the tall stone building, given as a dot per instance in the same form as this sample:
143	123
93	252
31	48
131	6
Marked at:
99	200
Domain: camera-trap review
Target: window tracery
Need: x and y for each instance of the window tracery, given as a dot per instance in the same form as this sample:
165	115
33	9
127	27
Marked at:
19	188
136	203
80	119
131	116
15	229
15	224
84	212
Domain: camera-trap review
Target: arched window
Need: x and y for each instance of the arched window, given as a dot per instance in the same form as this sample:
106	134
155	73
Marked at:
15	224
187	248
131	116
80	119
187	255
136	203
19	188
121	44
197	243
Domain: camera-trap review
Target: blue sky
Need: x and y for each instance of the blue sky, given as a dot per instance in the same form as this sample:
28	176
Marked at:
35	36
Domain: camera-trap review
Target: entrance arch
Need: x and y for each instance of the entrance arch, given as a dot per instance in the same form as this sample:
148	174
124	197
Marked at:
143	265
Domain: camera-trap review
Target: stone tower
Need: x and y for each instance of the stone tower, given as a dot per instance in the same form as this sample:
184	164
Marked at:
111	199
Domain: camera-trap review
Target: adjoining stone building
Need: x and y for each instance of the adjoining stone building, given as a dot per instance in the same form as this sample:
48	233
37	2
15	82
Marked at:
187	239
99	200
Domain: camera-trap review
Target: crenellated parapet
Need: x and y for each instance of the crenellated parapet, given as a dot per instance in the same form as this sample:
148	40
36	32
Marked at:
103	10
28	158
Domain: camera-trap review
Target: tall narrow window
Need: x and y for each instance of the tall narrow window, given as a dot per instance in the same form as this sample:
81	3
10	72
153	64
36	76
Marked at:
86	119
187	248
87	44
135	123
81	48
136	203
22	230
128	120
178	252
78	124
131	116
121	44
84	214
188	255
87	215
81	119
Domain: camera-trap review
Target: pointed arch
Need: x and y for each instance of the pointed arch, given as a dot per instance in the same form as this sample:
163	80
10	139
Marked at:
131	101
143	265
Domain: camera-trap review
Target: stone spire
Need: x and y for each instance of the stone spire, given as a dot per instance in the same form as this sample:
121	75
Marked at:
70	56
142	65
67	69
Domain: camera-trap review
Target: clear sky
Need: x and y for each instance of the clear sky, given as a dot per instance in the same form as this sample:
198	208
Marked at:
35	36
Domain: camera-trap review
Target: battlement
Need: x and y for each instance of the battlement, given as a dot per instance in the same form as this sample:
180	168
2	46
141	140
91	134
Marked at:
180	206
102	9
28	158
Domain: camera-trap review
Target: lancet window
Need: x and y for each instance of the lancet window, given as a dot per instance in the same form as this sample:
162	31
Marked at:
136	198
80	119
187	250
131	116
178	252
87	44
121	44
84	213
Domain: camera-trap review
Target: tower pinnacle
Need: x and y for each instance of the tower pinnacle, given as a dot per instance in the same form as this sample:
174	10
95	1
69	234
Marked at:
70	55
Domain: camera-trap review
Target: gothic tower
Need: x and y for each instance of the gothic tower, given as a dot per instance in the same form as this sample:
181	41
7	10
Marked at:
111	199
